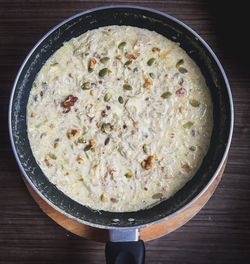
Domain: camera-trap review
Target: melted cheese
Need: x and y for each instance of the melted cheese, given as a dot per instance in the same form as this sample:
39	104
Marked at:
137	131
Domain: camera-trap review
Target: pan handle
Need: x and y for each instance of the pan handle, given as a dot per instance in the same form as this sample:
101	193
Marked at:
125	248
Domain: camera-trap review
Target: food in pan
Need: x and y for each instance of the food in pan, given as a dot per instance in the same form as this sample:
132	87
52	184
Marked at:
119	118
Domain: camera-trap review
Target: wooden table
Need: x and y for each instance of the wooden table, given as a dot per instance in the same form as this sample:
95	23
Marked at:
220	233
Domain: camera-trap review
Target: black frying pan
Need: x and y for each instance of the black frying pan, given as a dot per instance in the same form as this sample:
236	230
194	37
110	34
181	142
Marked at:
124	227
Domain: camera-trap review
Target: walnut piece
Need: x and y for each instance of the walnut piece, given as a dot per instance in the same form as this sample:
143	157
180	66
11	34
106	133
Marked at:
155	49
132	55
181	92
68	103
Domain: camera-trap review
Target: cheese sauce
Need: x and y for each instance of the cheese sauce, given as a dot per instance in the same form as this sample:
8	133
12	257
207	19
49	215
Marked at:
119	118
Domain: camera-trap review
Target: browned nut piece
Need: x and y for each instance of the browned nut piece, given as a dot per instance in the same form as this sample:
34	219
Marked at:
80	160
92	143
68	103
73	133
181	109
155	49
147	82
92	63
148	163
187	167
118	57
132	55
47	163
181	92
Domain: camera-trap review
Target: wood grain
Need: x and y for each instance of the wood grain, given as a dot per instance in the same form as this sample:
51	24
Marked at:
146	233
220	233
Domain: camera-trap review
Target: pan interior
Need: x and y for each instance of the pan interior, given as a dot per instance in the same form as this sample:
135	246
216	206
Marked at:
134	17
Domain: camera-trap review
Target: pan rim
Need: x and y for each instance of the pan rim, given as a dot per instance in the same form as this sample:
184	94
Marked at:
223	74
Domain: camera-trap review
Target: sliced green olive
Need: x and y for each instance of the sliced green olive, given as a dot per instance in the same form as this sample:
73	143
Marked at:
127	87
157	196
194	103
151	61
107	97
129	174
145	148
182	70
179	63
166	95
103	72
189	124
122	45
52	156
127	63
86	86
104	60
152	75
120	100
106	128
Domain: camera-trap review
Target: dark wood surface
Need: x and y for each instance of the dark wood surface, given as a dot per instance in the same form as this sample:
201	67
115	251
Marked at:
220	233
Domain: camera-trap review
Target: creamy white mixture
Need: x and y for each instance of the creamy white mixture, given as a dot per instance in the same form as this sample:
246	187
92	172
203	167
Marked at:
119	118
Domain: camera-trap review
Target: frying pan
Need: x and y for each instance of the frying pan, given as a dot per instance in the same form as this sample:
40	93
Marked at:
124	245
